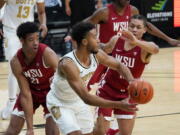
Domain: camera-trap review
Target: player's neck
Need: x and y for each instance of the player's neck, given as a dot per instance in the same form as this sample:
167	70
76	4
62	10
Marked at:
83	56
29	57
119	9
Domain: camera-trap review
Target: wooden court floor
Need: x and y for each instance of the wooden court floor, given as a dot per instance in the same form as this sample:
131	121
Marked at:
159	117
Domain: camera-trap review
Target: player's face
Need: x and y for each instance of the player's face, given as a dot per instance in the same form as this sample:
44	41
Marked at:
122	3
137	28
31	42
93	41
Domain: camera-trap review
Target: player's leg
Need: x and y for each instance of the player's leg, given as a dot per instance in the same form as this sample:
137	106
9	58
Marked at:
51	127
63	115
103	121
15	126
126	121
11	45
85	118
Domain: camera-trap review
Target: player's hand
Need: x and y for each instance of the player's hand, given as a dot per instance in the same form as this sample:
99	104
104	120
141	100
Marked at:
174	42
30	132
68	11
43	29
129	107
128	36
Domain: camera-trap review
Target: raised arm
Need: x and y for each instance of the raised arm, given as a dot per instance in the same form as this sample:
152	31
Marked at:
42	18
25	94
72	74
112	63
148	48
108	47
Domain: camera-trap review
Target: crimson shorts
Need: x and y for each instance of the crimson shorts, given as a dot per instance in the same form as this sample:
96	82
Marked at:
39	98
108	112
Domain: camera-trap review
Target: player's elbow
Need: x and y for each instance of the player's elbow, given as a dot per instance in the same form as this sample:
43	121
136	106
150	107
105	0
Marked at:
155	49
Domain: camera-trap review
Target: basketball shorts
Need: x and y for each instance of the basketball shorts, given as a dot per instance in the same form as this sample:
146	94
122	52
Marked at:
39	98
70	116
11	42
108	112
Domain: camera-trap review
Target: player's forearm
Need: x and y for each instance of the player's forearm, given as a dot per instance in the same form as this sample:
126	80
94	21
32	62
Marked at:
124	71
26	102
98	101
2	2
106	47
156	32
148	46
42	18
67	5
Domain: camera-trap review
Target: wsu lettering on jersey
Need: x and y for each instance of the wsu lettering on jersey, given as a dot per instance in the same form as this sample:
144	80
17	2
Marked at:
33	75
127	61
119	26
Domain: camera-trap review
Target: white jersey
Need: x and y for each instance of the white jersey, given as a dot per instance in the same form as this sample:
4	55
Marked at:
19	11
60	86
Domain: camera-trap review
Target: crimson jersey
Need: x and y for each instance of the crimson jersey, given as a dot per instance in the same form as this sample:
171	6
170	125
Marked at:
131	59
37	74
115	23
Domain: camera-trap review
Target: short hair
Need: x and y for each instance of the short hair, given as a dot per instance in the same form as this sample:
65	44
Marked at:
26	28
140	17
80	30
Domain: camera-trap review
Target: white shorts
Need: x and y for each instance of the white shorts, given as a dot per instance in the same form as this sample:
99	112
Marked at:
11	42
70	116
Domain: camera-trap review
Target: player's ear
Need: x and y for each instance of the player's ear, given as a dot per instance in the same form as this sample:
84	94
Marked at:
21	40
145	29
84	41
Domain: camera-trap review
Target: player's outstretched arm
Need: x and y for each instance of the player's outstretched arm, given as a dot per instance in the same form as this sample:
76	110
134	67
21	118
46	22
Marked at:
149	47
112	63
158	33
69	70
25	97
108	47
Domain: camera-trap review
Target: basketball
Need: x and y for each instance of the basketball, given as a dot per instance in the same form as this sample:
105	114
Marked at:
141	91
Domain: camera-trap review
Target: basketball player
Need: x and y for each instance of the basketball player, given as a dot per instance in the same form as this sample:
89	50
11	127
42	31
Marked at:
15	13
67	101
134	53
114	18
33	66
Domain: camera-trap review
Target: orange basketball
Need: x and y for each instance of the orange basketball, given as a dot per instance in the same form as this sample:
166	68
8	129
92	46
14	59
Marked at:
140	91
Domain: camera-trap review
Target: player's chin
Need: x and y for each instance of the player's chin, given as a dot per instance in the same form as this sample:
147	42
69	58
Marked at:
95	51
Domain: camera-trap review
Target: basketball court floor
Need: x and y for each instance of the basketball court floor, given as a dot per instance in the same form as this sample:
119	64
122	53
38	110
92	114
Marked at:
159	117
